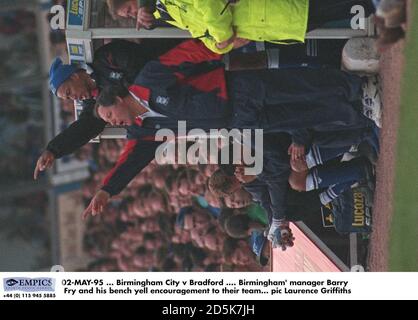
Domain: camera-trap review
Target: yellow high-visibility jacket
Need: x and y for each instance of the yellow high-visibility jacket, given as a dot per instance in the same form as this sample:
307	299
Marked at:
278	21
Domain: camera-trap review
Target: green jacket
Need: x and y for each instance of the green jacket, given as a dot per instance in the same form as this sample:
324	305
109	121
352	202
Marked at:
257	213
278	21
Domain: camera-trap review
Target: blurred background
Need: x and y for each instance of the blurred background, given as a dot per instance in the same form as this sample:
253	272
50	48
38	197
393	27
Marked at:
27	209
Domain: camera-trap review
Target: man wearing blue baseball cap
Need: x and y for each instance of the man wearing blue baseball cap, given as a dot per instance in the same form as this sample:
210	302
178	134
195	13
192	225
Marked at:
115	63
70	81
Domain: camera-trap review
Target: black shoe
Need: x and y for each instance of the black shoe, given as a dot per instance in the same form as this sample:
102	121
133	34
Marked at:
367	151
370	176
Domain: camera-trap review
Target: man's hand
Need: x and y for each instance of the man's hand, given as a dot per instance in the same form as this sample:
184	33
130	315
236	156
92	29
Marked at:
287	237
234	40
280	234
241	176
45	161
222	45
299	165
97	204
239	173
296	151
144	18
240	42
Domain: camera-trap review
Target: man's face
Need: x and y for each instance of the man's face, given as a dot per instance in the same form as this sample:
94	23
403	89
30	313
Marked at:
128	10
181	236
151	225
198	237
139	261
149	259
152	244
157	202
187	187
232	191
210	169
238	199
242	254
125	264
184	187
235	185
214	242
212	199
117	115
196	220
112	154
76	87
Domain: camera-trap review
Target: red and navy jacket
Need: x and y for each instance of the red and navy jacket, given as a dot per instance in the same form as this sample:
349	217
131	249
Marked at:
187	83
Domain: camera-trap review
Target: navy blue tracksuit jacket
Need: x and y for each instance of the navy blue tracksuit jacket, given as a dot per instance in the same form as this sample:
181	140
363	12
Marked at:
186	83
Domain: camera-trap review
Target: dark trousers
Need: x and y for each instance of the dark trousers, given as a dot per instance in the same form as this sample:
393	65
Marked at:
346	138
322	100
324	11
299	205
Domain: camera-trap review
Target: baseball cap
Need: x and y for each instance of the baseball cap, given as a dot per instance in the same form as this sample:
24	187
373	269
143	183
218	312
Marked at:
59	73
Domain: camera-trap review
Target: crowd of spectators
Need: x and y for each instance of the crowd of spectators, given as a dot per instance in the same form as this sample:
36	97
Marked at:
168	220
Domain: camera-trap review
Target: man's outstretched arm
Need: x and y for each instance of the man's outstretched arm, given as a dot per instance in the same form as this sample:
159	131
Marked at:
133	159
72	138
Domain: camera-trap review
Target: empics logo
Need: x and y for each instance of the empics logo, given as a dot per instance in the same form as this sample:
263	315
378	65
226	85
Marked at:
11	282
29	284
